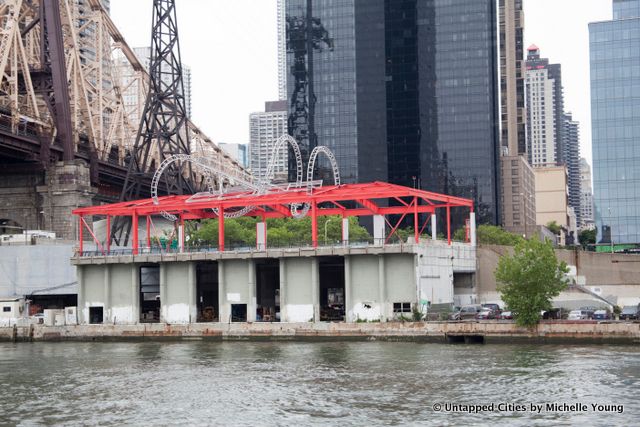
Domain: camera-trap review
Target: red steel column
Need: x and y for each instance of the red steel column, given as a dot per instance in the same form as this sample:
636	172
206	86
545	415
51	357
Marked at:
416	224
134	225
448	224
221	229
314	225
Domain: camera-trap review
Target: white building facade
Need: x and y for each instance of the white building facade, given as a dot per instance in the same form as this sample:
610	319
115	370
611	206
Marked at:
541	110
265	129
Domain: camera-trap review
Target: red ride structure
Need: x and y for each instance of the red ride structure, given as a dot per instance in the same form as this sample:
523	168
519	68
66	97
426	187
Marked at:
347	200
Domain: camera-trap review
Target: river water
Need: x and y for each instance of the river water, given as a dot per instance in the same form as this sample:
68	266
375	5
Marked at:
338	383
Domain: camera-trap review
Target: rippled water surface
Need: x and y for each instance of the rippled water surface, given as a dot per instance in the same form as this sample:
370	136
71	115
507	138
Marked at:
343	383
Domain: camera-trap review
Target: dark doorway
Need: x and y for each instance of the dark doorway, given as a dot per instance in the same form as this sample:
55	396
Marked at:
207	292
150	294
238	312
96	315
268	290
58	301
332	301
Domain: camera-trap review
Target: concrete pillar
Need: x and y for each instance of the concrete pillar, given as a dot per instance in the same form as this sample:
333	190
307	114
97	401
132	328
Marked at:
345	231
472	228
251	283
135	293
181	238
382	290
192	283
81	294
261	236
348	309
283	290
163	292
378	229
315	289
434	227
223	306
107	295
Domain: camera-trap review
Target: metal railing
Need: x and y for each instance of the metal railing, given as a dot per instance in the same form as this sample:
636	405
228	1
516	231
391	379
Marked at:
237	247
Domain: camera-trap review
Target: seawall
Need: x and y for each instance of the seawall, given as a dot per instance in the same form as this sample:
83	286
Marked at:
552	332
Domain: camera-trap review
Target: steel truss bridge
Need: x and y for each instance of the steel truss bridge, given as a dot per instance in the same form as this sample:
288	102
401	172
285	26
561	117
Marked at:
64	71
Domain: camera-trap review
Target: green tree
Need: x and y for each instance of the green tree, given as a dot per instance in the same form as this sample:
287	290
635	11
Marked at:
588	237
554	228
529	279
492	235
280	231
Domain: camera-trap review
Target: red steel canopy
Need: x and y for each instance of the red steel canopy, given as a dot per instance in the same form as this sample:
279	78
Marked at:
345	200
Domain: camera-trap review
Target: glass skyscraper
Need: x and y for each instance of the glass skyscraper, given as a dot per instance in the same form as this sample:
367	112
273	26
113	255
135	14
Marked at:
615	111
404	91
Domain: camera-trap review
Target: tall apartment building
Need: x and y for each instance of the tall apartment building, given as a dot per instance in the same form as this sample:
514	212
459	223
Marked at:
404	91
545	107
239	152
571	144
512	75
586	195
282	49
615	121
264	130
517	179
134	95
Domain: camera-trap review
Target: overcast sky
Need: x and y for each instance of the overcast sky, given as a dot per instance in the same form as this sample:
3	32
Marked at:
231	46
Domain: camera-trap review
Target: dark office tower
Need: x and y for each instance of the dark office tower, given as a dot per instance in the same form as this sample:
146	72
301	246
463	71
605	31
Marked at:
615	123
571	135
405	91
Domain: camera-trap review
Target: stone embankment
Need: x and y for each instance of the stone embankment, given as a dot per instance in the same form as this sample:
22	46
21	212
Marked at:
555	332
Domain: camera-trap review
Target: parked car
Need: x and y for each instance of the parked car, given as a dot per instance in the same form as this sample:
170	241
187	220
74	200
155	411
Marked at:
495	307
469	311
455	313
579	315
506	315
589	310
601	315
630	312
486	313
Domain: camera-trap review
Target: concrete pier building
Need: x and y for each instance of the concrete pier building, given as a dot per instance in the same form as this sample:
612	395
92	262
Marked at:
378	280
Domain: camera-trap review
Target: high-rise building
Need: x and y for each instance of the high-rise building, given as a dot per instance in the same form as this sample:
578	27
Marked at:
404	91
512	72
134	94
265	129
586	195
238	152
282	49
571	144
517	178
545	107
615	122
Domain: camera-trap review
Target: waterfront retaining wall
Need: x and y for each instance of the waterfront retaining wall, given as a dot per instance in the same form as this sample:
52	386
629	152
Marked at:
560	332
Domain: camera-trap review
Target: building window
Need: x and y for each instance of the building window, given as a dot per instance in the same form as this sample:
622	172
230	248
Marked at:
402	307
6	309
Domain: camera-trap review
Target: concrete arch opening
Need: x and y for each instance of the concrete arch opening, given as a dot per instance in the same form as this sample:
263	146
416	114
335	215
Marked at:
267	290
207	286
332	289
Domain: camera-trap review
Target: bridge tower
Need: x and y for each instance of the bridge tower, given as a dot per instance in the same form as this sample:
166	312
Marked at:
163	131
